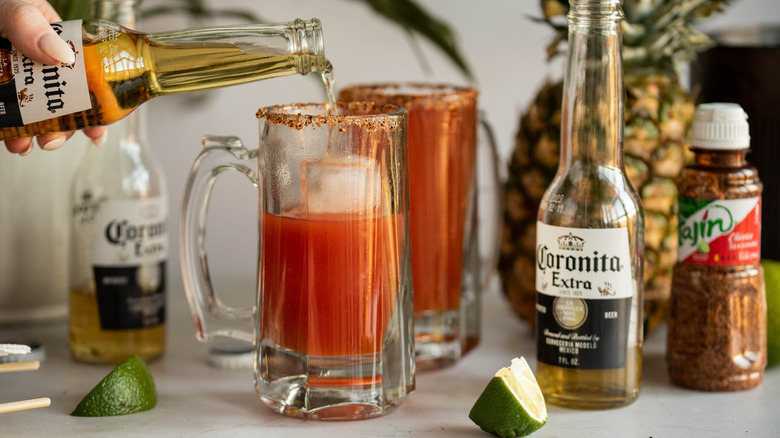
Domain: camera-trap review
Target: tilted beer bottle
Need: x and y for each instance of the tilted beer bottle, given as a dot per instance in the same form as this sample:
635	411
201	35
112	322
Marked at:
119	239
118	69
590	231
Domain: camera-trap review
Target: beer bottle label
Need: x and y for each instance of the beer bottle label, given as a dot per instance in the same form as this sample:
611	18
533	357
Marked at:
129	263
584	296
31	92
719	232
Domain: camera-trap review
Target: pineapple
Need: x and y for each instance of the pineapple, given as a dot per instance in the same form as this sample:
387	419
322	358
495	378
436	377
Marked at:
657	36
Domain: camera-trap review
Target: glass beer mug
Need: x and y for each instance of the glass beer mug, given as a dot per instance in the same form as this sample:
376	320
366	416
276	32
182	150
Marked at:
333	335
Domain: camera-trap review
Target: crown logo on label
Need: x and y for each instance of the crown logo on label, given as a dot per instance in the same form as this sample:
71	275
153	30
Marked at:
571	242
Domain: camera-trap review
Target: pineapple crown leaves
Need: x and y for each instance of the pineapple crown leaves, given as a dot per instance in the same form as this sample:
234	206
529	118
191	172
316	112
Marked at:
71	9
655	32
415	20
407	14
198	8
79	9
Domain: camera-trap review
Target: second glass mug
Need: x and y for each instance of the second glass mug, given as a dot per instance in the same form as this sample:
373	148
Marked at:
333	328
450	267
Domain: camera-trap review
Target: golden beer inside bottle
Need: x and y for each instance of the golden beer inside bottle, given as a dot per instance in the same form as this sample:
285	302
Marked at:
125	69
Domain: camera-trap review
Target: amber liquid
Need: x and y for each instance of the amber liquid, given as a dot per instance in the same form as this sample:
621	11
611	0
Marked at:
90	343
126	72
592	389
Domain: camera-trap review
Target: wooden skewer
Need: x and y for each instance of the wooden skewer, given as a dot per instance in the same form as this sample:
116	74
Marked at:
25	404
19	366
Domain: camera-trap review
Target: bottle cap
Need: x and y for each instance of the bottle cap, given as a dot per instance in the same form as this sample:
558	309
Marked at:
720	126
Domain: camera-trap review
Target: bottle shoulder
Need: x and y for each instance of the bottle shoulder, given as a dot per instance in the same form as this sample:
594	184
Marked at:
599	198
122	168
708	182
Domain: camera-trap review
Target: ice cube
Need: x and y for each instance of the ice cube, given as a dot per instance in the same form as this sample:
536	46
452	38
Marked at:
346	184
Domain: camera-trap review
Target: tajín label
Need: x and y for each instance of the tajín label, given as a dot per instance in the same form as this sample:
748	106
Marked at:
720	232
583	277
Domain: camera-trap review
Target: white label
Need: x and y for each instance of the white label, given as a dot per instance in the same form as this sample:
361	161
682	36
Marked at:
583	263
47	91
85	211
131	232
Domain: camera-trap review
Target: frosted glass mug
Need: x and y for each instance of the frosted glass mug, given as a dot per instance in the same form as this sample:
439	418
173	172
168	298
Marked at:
333	334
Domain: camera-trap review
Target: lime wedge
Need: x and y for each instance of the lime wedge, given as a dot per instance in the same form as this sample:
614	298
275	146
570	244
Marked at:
127	389
512	403
772	284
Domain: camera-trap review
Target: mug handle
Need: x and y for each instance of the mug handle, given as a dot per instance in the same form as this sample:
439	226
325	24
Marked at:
219	154
486	147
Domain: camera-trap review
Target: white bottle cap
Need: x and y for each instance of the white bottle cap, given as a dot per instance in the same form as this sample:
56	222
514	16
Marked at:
720	126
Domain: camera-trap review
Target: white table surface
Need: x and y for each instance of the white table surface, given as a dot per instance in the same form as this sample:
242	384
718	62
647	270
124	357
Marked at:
195	400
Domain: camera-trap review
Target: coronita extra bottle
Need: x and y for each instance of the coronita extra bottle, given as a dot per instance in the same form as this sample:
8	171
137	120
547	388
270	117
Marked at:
119	239
590	231
118	69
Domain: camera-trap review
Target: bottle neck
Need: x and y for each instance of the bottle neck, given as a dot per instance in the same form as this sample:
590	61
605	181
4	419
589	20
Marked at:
204	58
130	132
592	129
734	158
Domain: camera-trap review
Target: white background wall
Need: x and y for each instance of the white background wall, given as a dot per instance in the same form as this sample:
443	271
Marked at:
503	47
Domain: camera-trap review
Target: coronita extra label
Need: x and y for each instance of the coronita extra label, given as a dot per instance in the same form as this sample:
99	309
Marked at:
128	263
720	232
584	291
31	92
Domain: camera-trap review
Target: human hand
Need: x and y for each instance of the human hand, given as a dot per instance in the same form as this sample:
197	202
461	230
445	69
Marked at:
26	24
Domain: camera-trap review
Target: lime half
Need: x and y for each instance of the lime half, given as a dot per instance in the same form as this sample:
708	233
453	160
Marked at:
127	389
512	403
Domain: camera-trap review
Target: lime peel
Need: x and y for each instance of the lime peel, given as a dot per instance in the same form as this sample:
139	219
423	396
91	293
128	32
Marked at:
127	389
772	286
512	403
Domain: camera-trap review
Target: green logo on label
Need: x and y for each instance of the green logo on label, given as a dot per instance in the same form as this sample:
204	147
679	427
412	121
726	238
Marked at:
717	220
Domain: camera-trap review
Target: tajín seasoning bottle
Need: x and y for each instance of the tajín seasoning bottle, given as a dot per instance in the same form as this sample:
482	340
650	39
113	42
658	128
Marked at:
717	321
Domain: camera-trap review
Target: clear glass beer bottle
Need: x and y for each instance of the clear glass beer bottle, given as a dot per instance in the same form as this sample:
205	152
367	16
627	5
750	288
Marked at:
119	239
117	69
590	231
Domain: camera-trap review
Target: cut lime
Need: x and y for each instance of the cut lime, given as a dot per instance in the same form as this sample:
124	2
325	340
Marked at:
512	403
772	284
127	389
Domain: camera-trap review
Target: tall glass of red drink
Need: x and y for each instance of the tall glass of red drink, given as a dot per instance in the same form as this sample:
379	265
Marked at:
443	125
